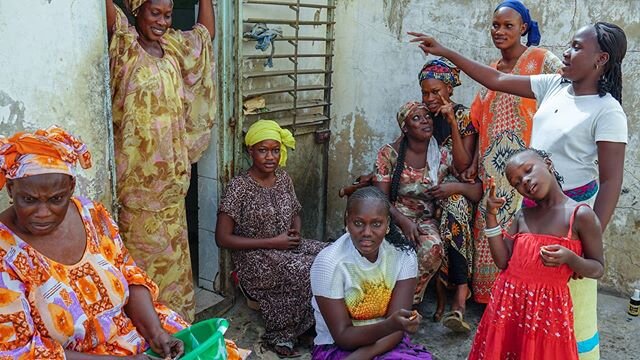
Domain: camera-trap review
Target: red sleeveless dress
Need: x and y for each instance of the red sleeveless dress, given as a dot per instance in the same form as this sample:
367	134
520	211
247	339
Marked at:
530	315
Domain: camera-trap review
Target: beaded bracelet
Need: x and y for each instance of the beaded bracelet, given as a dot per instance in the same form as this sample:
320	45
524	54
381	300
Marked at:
494	231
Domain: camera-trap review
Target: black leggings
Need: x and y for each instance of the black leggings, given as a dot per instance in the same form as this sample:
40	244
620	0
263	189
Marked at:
457	267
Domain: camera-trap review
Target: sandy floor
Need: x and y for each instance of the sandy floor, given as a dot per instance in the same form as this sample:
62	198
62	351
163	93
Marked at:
619	332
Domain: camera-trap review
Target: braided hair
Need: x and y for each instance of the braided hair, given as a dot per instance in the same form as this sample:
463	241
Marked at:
394	237
399	168
613	41
542	155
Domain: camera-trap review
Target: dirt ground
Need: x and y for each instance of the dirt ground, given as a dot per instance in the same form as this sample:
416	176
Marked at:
619	332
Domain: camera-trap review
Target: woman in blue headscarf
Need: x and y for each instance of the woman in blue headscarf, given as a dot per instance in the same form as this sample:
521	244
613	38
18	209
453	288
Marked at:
504	123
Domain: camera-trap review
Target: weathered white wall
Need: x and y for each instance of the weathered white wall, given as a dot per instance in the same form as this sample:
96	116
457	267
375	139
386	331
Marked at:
376	72
53	70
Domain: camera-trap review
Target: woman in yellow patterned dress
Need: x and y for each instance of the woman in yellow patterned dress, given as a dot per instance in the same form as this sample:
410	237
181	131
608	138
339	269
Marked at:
163	107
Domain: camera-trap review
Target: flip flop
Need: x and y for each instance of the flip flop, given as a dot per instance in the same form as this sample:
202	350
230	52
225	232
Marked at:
455	321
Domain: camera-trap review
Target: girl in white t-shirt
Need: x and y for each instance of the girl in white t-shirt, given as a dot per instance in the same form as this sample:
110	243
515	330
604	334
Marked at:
579	121
362	286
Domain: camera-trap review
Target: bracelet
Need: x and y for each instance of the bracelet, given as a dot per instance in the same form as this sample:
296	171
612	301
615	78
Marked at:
494	231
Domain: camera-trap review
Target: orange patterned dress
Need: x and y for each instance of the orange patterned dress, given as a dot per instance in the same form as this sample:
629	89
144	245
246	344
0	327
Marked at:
504	123
47	307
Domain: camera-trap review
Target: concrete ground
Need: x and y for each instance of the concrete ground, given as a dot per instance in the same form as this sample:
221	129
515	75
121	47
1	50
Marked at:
619	332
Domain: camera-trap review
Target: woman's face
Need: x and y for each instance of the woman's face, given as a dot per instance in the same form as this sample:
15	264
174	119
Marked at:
530	175
506	28
367	222
418	125
154	19
265	155
583	54
41	201
433	91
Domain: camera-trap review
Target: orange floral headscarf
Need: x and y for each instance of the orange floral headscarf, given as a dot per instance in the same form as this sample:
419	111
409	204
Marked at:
50	151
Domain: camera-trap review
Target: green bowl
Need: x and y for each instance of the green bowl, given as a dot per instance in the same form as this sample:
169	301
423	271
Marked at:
203	340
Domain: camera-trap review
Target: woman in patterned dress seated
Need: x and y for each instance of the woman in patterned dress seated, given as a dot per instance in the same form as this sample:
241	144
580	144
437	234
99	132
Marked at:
68	287
258	219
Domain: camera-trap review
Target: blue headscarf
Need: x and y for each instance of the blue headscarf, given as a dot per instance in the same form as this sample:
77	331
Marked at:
533	32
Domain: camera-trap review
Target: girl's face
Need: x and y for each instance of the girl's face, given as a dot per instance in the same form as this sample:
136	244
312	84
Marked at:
265	155
582	56
419	125
432	90
530	175
506	28
154	19
367	223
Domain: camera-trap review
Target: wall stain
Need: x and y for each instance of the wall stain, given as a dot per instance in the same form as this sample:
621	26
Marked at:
11	114
394	11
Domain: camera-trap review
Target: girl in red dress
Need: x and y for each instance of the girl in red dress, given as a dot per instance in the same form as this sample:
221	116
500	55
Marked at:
530	314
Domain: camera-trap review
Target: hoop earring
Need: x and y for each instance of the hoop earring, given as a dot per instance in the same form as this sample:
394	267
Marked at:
10	201
597	66
388	229
346	229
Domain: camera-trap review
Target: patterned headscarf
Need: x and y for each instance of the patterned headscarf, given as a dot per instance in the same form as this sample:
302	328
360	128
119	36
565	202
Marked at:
407	109
270	130
440	69
134	5
50	151
533	31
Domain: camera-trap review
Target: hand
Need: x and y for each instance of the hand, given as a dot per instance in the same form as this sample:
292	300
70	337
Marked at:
447	112
166	345
406	320
556	255
428	44
443	191
577	276
469	174
493	203
285	241
410	230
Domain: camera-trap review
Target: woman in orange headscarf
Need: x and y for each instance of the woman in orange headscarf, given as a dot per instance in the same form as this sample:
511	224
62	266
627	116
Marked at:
68	286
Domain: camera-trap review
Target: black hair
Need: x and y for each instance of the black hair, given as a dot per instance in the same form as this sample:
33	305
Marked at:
542	155
613	41
394	237
399	168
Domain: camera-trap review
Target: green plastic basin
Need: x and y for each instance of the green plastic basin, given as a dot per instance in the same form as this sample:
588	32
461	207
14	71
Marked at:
203	340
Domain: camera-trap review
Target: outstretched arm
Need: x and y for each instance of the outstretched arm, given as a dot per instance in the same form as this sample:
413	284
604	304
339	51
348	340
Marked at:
487	76
111	16
610	169
207	17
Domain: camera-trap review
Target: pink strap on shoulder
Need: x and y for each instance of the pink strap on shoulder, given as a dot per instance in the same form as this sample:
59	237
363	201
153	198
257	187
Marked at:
573	217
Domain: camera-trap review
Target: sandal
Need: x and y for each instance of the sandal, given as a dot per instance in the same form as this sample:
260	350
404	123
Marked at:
455	321
283	350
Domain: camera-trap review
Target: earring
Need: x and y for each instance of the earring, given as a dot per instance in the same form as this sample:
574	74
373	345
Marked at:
346	229
388	229
597	66
10	201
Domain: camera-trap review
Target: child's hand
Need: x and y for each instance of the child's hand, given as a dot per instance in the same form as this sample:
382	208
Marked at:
493	203
556	255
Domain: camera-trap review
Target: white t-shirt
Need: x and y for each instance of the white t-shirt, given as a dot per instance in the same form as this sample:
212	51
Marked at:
569	126
340	272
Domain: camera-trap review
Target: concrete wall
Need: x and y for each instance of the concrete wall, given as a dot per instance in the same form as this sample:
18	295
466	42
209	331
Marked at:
376	72
53	70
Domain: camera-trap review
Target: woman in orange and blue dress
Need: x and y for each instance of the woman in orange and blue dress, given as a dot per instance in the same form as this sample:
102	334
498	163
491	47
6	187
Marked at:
68	287
504	124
